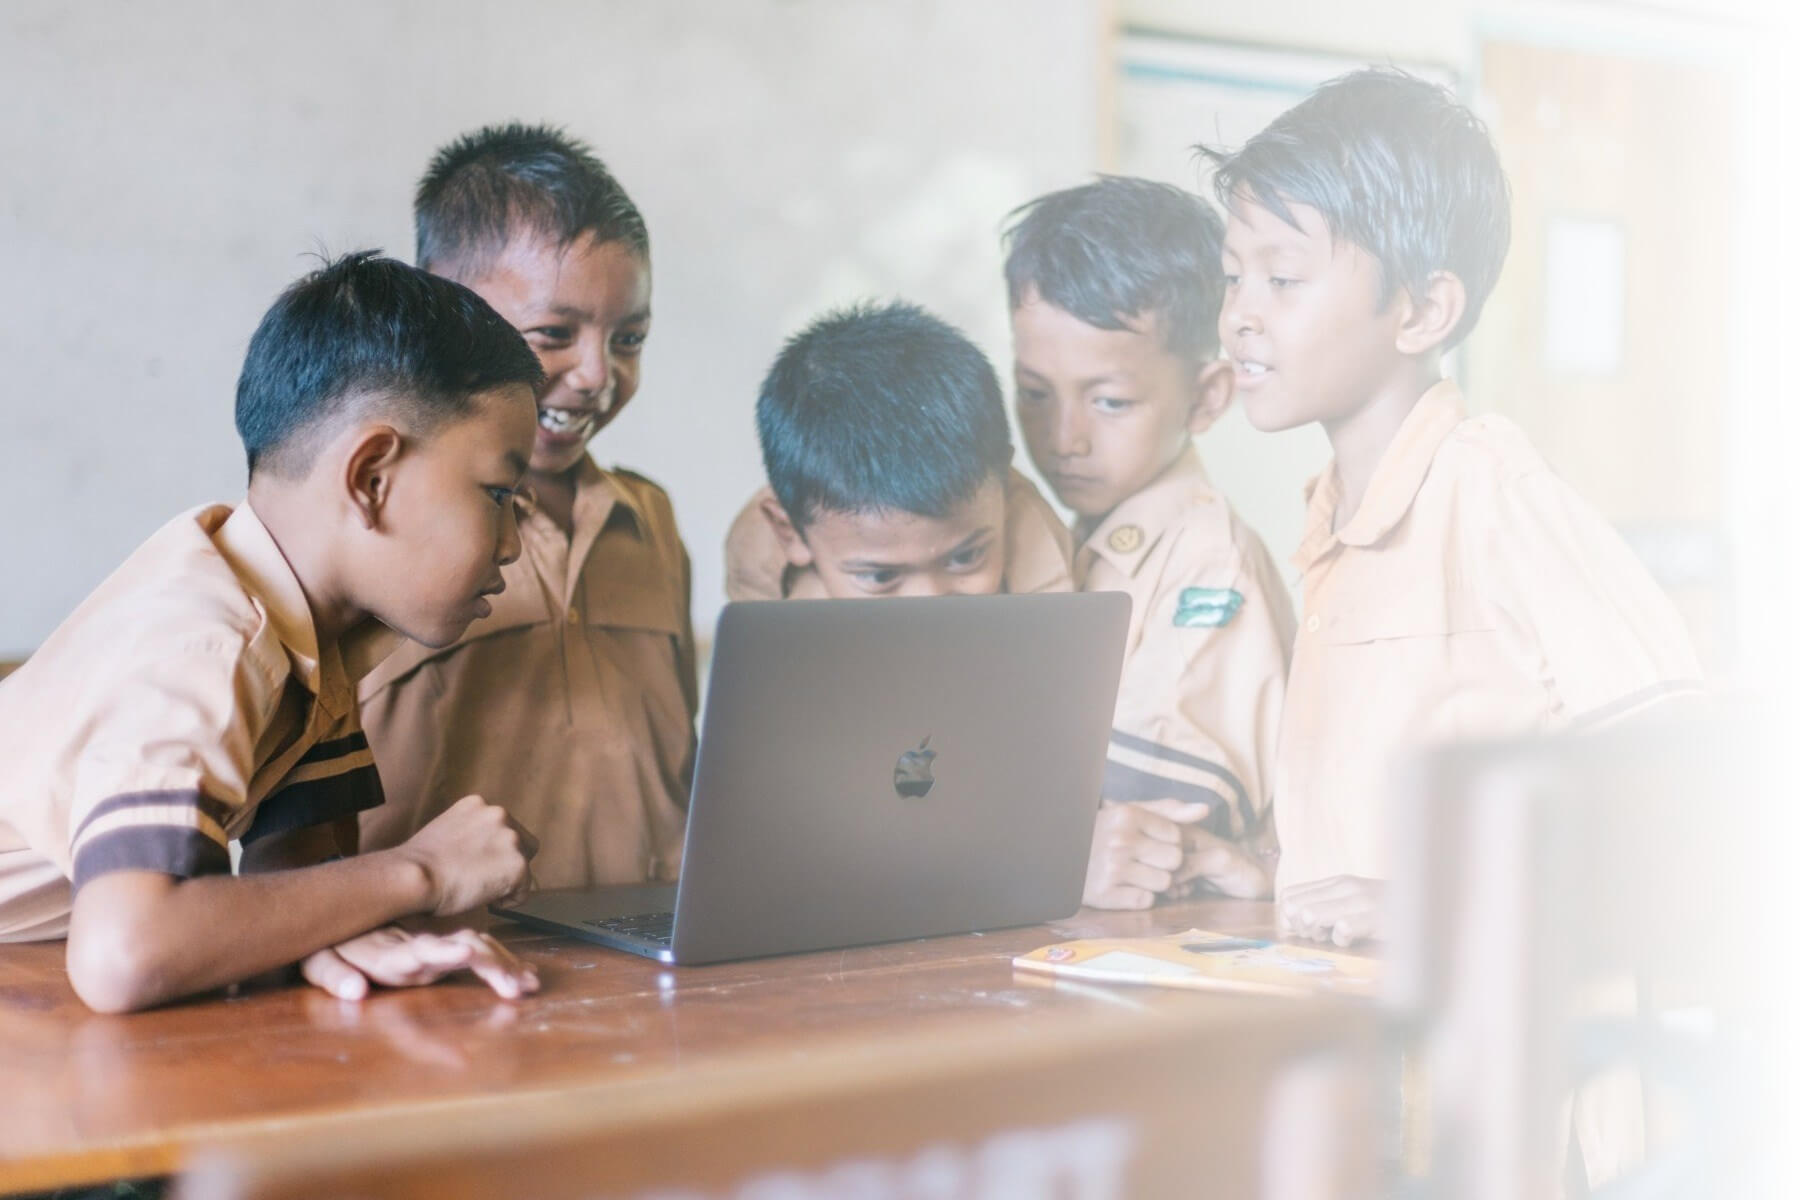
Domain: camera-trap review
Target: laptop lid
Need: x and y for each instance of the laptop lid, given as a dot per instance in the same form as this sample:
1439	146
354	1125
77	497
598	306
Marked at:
872	770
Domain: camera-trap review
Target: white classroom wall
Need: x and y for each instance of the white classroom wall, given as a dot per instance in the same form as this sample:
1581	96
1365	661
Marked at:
168	167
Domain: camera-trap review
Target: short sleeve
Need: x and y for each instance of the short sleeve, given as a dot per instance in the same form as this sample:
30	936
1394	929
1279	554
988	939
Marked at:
164	769
1200	695
1038	547
1589	619
754	559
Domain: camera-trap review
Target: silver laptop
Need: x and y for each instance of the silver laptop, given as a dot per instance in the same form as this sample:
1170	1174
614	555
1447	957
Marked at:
873	770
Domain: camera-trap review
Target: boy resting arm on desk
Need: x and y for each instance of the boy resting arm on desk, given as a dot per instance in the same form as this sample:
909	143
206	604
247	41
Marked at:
204	693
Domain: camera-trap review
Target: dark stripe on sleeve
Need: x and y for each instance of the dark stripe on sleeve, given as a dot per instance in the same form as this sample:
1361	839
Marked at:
1126	784
1156	750
1642	698
336	748
167	849
191	797
315	802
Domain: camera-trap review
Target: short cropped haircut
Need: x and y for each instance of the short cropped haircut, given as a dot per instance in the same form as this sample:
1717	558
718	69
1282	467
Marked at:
487	187
369	334
1120	249
1396	166
880	408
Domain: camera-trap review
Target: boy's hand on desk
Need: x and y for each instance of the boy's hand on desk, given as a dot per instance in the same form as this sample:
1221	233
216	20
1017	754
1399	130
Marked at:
472	854
1138	849
1227	866
394	957
1342	910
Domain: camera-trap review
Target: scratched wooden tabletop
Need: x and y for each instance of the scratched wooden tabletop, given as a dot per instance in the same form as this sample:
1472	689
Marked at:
89	1097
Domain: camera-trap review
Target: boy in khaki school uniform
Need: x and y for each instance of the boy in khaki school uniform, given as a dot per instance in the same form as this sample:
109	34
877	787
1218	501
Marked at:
1454	586
203	693
757	566
1115	289
572	703
890	471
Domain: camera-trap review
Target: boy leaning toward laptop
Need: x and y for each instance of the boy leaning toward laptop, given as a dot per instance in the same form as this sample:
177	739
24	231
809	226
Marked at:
205	692
884	435
1115	289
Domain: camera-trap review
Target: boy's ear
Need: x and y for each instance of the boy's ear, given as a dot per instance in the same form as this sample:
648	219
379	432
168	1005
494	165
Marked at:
1212	395
369	471
1428	318
798	553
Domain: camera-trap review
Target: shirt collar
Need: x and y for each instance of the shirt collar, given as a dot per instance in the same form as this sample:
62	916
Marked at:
250	550
600	503
1398	477
1127	534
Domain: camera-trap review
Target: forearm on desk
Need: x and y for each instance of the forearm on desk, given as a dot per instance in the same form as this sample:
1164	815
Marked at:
141	938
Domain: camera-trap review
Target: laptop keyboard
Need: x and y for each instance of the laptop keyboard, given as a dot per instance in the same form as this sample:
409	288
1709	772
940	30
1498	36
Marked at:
657	928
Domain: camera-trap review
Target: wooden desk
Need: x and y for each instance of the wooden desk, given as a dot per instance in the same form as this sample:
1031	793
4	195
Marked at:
90	1097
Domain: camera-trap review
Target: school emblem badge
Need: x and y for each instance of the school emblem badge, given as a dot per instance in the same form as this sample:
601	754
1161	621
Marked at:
1207	608
1125	538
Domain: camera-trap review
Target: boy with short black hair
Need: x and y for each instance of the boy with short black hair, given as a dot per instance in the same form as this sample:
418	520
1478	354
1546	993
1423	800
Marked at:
573	703
1115	290
884	436
204	693
1455	587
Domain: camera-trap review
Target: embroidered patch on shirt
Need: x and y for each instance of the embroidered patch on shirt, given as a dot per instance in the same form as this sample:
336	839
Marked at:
1207	608
1125	538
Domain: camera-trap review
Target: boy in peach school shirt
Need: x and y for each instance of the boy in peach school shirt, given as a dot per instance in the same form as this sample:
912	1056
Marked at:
884	436
1454	587
1115	289
204	693
572	703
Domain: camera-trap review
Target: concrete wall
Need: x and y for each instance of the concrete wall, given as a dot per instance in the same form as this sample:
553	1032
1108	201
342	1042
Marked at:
168	168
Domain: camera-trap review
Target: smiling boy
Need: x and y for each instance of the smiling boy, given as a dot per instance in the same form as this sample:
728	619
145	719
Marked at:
572	704
204	693
1115	290
890	471
1454	586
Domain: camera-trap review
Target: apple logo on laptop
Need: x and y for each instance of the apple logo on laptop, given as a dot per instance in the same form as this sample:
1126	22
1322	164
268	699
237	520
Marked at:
912	774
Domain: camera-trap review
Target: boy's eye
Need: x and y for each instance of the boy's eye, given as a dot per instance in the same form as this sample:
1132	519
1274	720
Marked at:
1231	280
551	333
876	580
501	496
970	558
1033	396
1112	404
630	342
1281	281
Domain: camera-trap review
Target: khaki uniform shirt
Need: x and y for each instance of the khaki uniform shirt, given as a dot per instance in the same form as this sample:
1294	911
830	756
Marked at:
1037	551
571	704
186	703
1206	654
1473	594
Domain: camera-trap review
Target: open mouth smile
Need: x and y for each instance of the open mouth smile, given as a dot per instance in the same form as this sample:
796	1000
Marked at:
571	422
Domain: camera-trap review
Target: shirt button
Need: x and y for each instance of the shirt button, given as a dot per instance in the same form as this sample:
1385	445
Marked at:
574	617
1312	623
